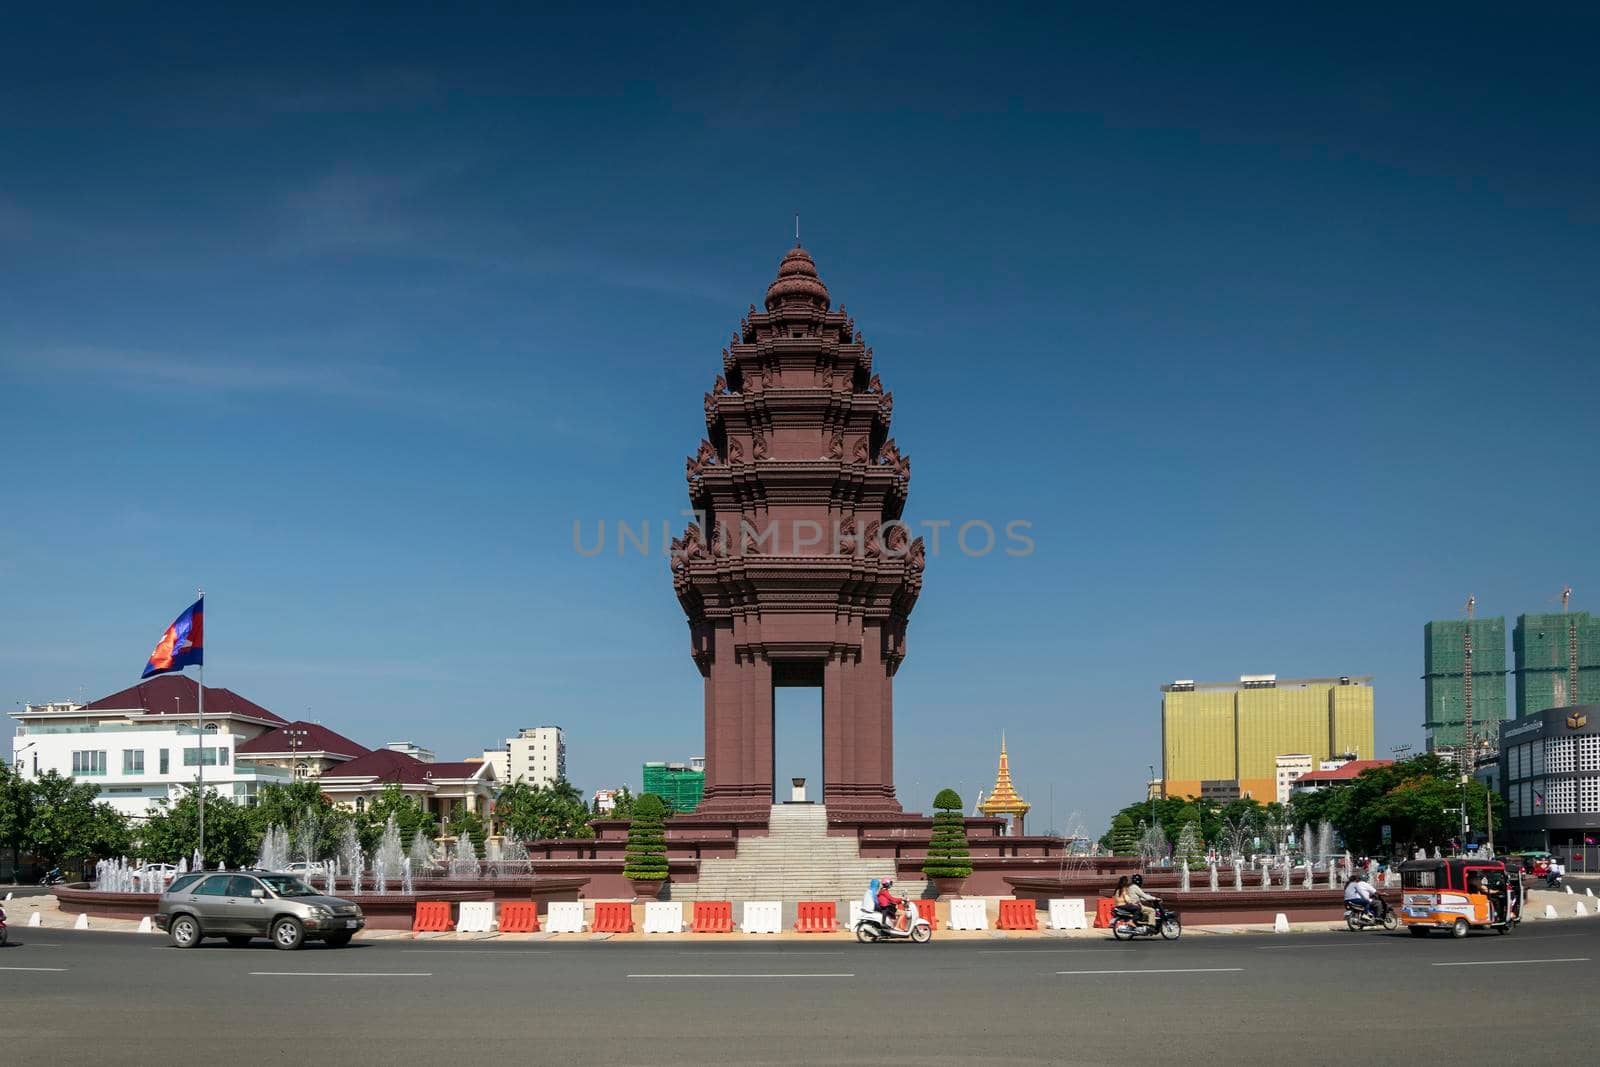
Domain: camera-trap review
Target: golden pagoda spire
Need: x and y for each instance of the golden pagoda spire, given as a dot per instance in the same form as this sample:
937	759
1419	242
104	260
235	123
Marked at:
1004	799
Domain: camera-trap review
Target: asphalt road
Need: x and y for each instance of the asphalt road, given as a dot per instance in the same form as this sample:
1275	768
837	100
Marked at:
1299	999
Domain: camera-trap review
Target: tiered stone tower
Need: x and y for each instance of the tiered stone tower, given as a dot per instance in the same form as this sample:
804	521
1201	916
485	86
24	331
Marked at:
800	572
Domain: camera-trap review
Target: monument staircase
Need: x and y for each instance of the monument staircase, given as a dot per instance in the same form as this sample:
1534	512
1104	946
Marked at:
797	860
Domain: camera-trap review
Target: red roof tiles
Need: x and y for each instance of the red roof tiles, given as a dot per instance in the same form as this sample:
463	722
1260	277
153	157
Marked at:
173	694
316	738
1343	774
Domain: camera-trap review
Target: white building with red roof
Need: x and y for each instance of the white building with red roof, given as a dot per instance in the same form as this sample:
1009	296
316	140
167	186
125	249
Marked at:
442	788
141	745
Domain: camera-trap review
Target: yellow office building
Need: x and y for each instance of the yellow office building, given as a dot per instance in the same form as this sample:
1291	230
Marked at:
1222	737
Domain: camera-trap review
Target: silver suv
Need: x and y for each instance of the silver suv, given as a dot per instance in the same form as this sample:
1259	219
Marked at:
241	905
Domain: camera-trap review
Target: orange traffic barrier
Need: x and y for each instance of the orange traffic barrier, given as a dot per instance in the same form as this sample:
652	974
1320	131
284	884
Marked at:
613	917
816	917
519	917
1018	915
926	909
1102	913
433	916
713	917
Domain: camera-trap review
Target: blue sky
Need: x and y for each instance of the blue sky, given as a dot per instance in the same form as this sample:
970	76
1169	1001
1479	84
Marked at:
1281	335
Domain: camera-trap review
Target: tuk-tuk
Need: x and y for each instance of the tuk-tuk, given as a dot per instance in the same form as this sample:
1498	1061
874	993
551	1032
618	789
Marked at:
1457	894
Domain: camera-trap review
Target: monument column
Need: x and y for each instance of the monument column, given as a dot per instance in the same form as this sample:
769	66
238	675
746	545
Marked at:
797	441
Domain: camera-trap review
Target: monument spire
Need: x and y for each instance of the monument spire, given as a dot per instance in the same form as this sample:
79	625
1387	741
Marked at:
1003	798
797	441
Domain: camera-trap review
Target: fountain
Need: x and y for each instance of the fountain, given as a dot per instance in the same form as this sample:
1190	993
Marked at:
514	861
420	858
464	864
1308	881
380	883
1333	875
1238	873
350	856
406	885
1184	885
1213	867
274	854
308	836
390	857
1152	846
199	864
1288	869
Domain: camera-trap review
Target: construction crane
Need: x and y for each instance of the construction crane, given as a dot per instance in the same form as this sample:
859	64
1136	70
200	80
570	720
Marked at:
1464	754
1572	648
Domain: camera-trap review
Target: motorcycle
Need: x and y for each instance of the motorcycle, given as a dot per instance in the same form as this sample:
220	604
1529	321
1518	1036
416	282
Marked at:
1127	922
54	877
2	924
1552	880
872	926
1356	917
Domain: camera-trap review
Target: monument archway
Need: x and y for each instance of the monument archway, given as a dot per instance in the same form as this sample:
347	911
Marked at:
800	570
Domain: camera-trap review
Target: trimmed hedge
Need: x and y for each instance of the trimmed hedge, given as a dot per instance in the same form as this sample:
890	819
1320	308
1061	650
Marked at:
645	858
947	852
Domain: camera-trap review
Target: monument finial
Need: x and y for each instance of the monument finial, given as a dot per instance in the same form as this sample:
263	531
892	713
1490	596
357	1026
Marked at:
797	229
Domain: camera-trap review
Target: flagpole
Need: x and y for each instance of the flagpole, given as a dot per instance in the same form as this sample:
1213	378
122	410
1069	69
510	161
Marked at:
200	717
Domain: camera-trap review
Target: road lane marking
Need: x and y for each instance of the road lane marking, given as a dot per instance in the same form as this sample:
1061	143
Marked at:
341	974
734	952
1161	970
32	969
1507	963
741	975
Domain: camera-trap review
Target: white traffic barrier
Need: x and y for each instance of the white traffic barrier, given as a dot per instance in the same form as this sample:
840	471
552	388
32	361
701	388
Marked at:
1068	915
1549	911
1578	909
8	896
663	917
1280	923
1586	892
144	925
968	914
1568	888
82	921
564	917
33	920
475	917
762	917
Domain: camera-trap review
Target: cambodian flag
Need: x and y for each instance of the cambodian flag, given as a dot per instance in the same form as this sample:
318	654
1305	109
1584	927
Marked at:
182	645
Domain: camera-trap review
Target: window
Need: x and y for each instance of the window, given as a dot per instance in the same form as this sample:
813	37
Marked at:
182	883
240	885
215	886
133	761
1537	766
1589	795
191	756
1562	755
1563	797
361	804
1589	752
88	764
166	761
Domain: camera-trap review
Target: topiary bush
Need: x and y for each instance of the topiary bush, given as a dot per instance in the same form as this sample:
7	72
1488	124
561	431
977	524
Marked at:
646	855
947	852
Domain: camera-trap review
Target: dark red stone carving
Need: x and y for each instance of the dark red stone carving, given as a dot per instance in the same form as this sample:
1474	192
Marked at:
809	596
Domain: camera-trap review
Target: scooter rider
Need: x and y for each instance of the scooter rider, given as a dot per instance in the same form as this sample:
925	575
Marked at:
1359	891
1136	895
888	904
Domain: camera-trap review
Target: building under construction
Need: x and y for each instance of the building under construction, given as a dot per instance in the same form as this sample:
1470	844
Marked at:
1446	679
1557	661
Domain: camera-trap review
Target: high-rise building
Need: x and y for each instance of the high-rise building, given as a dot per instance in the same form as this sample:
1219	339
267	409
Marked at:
1221	736
679	784
537	755
1444	678
1550	650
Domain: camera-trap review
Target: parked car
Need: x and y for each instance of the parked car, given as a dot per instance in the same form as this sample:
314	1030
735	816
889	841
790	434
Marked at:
242	905
150	872
305	870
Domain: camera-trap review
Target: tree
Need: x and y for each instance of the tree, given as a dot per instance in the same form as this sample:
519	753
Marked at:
1124	836
172	832
284	805
65	824
948	856
646	855
466	822
537	812
16	814
408	814
621	806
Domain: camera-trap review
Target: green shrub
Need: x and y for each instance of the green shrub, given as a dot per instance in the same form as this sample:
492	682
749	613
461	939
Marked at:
645	858
947	852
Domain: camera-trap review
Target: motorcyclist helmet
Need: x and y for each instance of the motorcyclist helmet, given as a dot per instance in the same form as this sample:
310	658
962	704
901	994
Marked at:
1137	880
